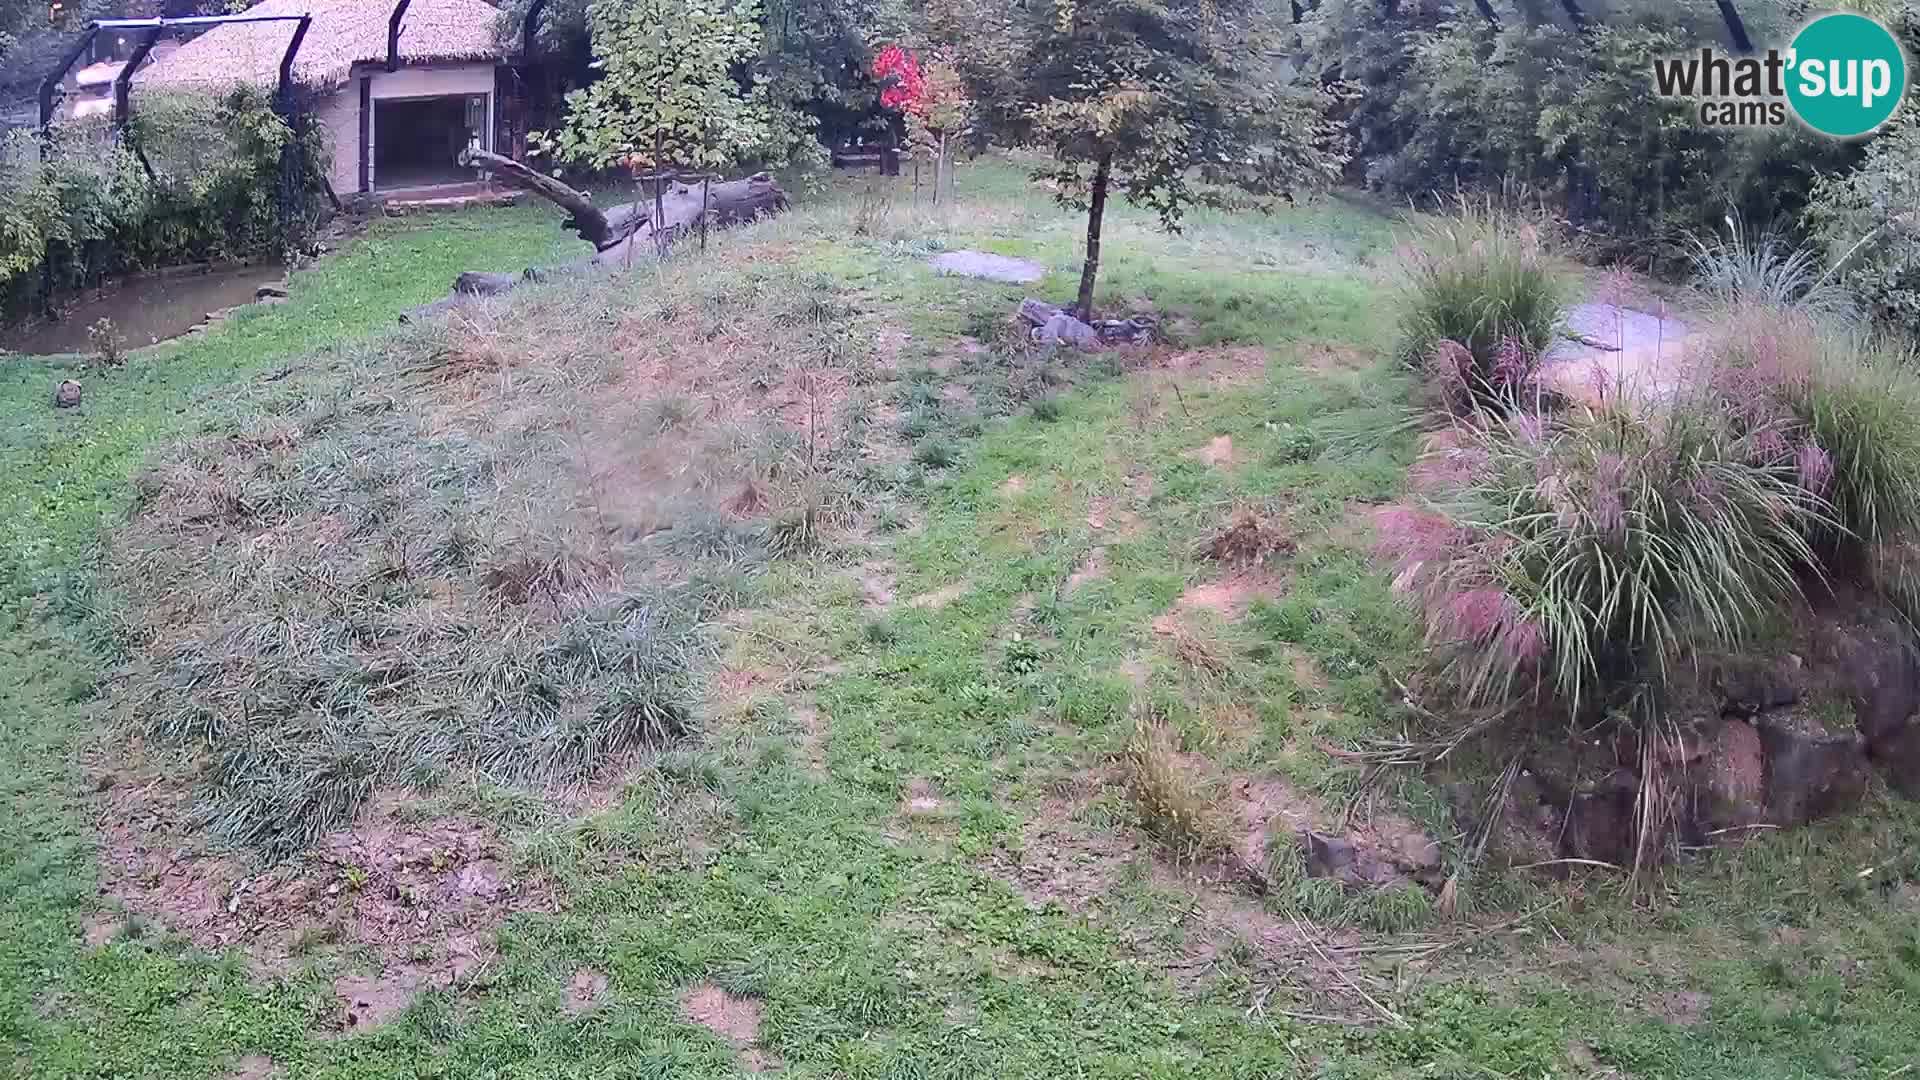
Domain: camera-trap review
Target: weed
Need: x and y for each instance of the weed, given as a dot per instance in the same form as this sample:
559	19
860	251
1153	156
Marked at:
1172	803
1745	272
935	453
1047	409
109	344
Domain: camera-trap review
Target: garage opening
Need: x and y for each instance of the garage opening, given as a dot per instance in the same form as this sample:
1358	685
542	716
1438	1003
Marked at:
416	140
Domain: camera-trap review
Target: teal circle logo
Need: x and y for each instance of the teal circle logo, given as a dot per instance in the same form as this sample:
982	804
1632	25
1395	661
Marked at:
1846	75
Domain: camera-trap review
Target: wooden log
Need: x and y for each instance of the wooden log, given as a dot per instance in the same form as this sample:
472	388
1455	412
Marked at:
621	235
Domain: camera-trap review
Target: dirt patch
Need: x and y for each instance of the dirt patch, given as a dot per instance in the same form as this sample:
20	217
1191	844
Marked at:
920	799
422	896
939	598
1263	802
1328	358
1218	453
1306	674
1103	512
736	1020
585	992
367	1001
101	930
1680	1008
1228	597
1237	366
1014	485
812	736
1093	569
1061	861
253	1067
876	584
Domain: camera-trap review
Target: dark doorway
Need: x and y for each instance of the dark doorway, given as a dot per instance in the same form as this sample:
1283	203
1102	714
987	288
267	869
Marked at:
416	140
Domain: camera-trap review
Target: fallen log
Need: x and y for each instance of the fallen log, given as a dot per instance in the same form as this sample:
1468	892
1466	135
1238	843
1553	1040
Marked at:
621	235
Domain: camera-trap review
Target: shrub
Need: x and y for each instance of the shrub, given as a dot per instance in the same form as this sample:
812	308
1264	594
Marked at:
1172	802
197	176
1867	228
1482	302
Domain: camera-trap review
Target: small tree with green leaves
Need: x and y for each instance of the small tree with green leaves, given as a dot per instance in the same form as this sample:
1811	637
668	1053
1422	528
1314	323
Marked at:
666	96
1162	100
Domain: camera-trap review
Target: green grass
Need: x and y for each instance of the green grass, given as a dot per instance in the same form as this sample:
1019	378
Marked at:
67	470
882	944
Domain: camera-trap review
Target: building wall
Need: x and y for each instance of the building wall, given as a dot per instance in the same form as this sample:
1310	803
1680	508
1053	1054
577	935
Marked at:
434	81
339	113
339	116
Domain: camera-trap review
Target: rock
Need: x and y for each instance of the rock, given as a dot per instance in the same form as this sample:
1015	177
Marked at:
1353	865
67	394
1137	330
1064	329
1750	687
980	264
1811	772
1878	670
1038	312
1730	788
1526	827
477	283
1899	758
272	291
1600	823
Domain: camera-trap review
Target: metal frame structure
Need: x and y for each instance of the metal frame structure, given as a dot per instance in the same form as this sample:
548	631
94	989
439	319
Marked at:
123	83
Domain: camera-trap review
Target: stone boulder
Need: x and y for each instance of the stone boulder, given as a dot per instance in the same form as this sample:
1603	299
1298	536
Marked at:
1811	772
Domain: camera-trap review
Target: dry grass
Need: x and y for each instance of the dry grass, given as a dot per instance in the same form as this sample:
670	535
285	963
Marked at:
1173	802
491	546
1252	537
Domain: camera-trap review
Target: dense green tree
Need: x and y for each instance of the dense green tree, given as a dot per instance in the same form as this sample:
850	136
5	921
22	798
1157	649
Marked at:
1161	101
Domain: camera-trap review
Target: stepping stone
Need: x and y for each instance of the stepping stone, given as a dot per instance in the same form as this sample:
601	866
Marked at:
980	264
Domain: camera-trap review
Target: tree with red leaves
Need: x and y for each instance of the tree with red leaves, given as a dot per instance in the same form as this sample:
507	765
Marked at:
932	97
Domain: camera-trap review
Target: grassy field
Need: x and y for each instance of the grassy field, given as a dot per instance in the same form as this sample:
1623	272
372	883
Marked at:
962	688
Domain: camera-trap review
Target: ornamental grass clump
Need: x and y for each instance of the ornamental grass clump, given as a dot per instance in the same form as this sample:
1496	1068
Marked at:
1483	302
1581	555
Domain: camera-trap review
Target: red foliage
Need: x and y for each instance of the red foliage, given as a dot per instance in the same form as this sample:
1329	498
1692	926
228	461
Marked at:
907	85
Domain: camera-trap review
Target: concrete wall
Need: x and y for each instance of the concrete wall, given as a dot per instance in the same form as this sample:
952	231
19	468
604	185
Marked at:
339	117
339	114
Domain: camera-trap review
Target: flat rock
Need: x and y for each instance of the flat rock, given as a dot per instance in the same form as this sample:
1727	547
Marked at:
981	264
1620	353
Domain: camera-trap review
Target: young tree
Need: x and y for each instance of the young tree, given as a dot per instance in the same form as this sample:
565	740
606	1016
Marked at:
932	95
1159	100
666	96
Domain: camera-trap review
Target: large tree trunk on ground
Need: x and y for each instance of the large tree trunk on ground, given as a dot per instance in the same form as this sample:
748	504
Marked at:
1096	211
620	234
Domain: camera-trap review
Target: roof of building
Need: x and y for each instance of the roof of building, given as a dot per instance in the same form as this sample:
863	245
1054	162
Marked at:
344	33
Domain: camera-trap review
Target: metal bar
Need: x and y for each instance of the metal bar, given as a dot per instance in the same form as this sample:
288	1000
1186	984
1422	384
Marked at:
52	84
530	26
393	34
123	82
190	21
285	89
366	134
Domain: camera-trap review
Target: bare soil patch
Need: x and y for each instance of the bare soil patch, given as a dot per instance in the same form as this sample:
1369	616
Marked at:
1330	358
253	1067
1680	1008
1233	366
422	896
1014	485
102	929
736	1020
1218	453
939	598
1092	569
921	799
1061	861
584	992
368	1001
1228	597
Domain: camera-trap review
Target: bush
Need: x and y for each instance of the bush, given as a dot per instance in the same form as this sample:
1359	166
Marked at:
1440	100
1482	301
89	206
1866	224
